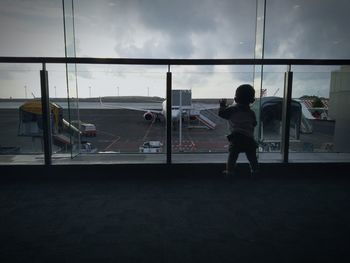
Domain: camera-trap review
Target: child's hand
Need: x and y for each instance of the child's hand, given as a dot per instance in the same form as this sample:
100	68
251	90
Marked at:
223	102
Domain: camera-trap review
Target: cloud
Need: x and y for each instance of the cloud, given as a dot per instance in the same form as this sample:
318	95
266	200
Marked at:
171	29
307	29
5	74
31	28
177	29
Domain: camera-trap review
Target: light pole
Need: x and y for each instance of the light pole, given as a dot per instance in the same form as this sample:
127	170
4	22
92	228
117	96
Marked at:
90	91
180	120
148	91
55	92
118	91
25	91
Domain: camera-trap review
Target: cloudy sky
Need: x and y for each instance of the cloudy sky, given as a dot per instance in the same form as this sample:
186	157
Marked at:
171	29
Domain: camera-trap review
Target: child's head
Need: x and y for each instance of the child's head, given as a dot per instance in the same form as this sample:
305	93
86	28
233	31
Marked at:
245	94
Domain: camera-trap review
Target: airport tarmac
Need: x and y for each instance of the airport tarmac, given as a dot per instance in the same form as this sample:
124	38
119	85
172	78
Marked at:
123	131
126	130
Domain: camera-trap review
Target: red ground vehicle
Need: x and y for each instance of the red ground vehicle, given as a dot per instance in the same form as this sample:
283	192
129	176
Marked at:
86	129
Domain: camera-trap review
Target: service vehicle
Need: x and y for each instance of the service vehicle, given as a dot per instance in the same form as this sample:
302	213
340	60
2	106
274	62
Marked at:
151	147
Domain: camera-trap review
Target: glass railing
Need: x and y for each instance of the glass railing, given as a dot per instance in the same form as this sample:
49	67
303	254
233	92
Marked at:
198	133
323	92
117	110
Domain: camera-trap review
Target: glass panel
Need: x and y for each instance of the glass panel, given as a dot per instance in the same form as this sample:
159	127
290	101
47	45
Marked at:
260	30
324	94
71	76
201	130
166	28
121	114
21	133
269	113
31	28
73	108
307	29
61	130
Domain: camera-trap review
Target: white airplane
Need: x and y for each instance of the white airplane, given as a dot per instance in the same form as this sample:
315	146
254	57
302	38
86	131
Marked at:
149	114
176	112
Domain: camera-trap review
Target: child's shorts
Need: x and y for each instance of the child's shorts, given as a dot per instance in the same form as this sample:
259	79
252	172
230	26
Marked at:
241	143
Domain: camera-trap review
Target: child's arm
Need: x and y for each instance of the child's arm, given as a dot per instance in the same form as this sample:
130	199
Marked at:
224	111
223	103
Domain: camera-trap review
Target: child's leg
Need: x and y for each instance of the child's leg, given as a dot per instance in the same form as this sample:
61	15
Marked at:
231	161
253	160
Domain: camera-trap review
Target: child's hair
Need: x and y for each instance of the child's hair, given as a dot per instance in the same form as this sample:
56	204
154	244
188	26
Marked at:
245	94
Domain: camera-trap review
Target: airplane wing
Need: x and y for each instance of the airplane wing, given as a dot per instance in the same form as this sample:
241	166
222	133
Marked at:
113	106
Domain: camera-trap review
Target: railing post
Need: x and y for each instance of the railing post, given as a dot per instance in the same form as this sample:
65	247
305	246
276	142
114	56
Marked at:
168	116
286	111
46	114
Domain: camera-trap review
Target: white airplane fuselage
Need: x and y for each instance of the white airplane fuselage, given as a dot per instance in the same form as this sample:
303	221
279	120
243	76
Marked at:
175	112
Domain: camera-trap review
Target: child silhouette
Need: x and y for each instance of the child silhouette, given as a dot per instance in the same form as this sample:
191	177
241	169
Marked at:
242	121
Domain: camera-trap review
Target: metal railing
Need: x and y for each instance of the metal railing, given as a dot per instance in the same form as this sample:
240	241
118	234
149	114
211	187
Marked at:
153	61
169	62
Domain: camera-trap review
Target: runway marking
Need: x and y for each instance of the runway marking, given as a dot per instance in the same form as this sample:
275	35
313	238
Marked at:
187	143
191	139
148	130
113	142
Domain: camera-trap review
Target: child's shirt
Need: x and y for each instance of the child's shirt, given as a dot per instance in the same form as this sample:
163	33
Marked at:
240	117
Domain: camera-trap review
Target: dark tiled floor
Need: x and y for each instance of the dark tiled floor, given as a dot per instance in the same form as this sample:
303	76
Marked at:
176	220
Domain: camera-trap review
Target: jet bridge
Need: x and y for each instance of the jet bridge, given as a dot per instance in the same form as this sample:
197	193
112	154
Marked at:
183	99
269	111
